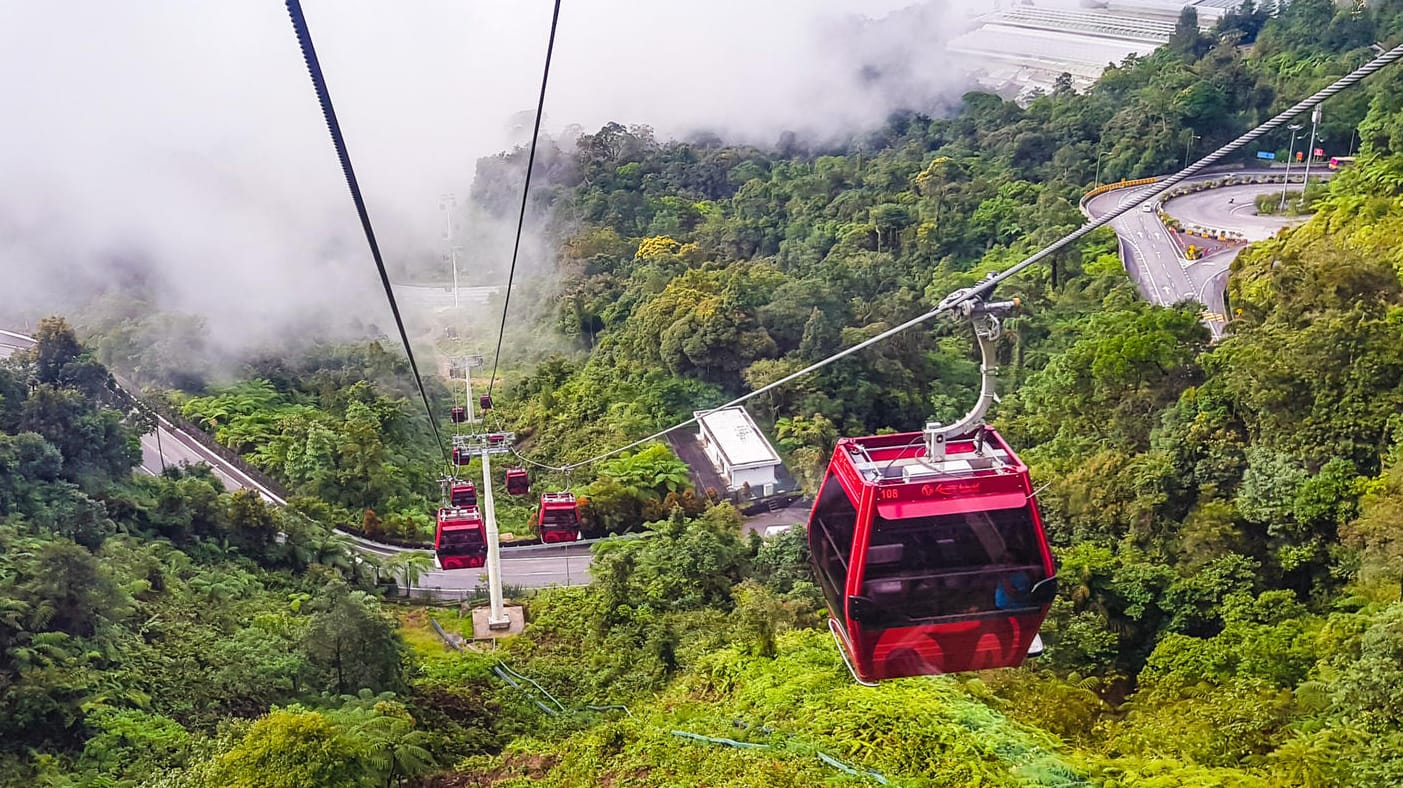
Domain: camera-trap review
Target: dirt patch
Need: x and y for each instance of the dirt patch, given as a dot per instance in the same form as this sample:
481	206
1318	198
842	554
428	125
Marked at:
514	767
636	777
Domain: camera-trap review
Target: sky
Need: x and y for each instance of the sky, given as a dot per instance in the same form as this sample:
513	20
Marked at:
179	143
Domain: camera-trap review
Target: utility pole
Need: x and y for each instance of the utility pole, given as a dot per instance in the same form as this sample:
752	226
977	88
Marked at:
1295	129
1310	151
448	203
1098	167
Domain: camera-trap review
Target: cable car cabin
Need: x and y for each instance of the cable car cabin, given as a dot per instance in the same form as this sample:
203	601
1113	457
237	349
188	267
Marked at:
458	415
518	483
462	494
462	457
484	402
559	520
461	539
932	556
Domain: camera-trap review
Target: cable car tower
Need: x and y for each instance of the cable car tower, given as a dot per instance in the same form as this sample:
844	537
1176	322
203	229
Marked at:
484	445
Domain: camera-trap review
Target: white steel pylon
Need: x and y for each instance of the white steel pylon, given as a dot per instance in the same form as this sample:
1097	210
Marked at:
485	445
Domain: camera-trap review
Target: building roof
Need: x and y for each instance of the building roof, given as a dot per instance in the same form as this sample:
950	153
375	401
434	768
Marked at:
1032	45
1055	50
737	438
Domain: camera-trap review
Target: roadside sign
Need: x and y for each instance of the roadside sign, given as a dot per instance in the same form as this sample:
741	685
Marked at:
1319	151
1266	154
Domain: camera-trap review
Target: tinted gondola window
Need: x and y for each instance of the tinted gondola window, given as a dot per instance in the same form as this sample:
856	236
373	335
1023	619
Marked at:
831	540
459	542
557	517
953	565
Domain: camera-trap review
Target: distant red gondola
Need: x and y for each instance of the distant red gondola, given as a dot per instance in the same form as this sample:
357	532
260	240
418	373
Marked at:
462	457
460	541
462	494
518	483
559	518
932	557
484	402
458	415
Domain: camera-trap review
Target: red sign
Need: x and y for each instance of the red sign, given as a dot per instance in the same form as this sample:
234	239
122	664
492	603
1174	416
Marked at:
1320	151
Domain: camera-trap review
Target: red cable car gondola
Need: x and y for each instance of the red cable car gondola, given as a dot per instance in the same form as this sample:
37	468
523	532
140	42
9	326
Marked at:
462	494
929	565
462	457
559	518
518	483
928	546
460	541
458	415
484	402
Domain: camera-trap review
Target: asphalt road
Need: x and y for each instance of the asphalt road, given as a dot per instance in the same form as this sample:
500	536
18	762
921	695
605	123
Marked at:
1231	208
1154	261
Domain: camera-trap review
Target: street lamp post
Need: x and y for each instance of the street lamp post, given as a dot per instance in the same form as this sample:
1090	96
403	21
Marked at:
1295	129
1189	146
1310	152
1098	167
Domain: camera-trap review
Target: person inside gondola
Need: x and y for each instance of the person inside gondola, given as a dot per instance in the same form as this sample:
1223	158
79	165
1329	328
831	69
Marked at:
1015	583
1013	591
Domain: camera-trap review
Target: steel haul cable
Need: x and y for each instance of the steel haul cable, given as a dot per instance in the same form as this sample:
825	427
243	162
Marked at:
525	194
960	296
314	69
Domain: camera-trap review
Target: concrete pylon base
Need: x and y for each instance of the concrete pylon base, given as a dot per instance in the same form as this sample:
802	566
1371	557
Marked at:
516	621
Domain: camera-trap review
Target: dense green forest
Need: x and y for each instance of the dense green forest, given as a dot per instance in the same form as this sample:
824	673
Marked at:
1225	516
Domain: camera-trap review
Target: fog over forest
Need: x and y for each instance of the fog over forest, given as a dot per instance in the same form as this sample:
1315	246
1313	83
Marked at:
177	149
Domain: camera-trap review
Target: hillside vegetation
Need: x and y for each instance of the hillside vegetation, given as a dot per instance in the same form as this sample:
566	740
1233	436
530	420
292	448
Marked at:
1225	517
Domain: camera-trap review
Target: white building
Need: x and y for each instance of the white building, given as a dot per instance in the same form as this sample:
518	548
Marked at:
1029	44
738	449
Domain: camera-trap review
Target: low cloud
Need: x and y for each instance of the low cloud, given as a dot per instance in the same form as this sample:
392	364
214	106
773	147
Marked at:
177	148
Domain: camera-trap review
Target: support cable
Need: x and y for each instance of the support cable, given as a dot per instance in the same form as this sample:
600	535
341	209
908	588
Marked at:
950	302
525	194
314	69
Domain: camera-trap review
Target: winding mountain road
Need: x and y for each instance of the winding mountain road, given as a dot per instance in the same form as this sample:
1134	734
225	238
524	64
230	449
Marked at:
1154	260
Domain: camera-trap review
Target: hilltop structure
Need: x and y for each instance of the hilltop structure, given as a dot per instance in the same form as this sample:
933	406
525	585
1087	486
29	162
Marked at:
1024	48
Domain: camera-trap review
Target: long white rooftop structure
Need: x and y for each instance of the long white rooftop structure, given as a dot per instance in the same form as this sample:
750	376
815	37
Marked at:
1027	46
734	433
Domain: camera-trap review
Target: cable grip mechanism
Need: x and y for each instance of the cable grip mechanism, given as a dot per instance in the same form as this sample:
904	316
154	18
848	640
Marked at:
985	318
